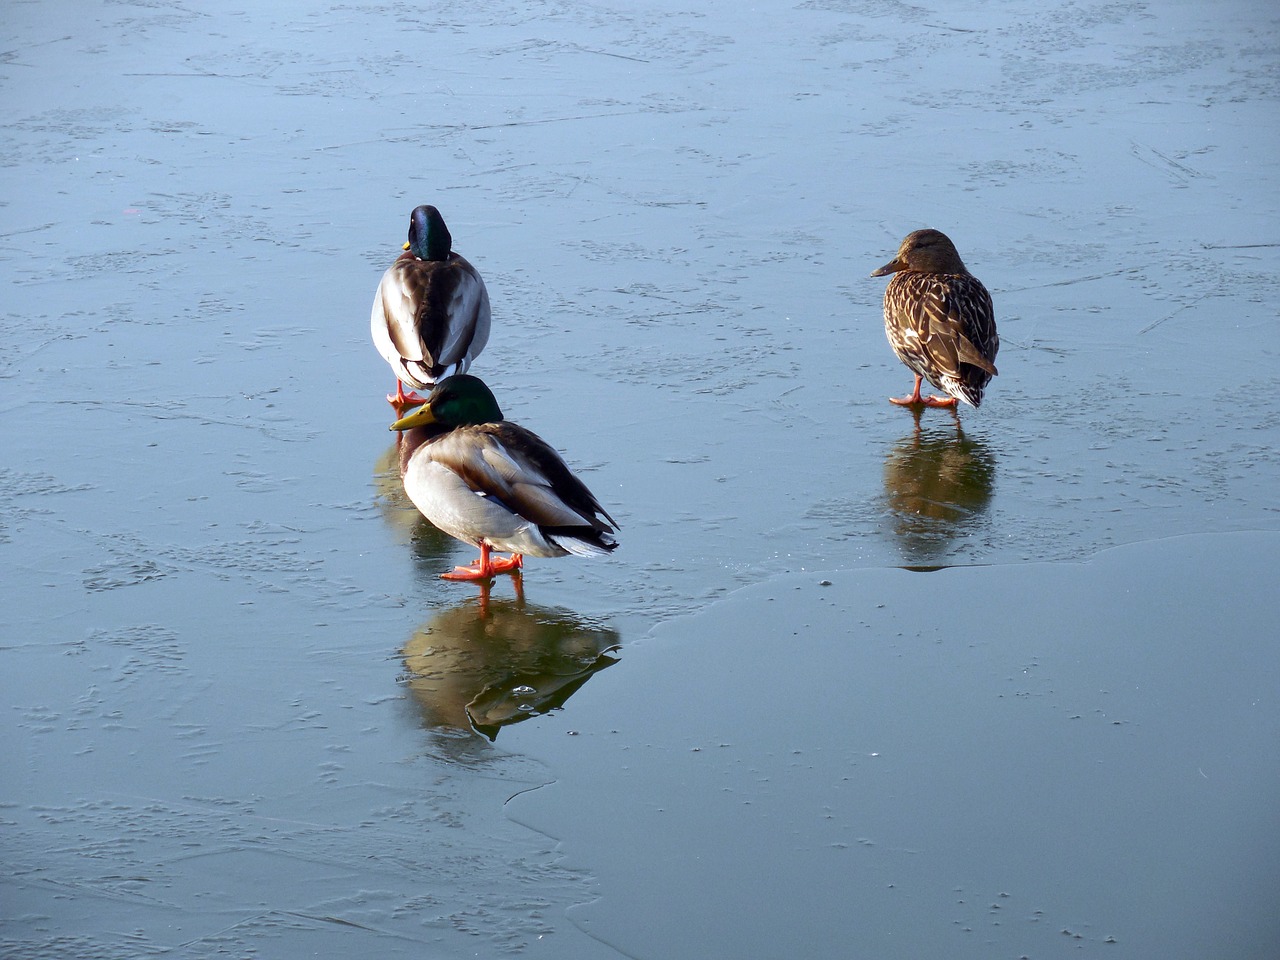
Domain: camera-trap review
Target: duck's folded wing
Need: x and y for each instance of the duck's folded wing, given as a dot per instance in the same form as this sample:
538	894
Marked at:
966	352
972	318
454	314
398	295
952	321
516	467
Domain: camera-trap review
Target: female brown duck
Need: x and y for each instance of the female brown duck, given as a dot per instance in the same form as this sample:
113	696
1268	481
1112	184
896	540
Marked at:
939	320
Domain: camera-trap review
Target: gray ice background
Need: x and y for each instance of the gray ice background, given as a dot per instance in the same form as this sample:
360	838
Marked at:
883	690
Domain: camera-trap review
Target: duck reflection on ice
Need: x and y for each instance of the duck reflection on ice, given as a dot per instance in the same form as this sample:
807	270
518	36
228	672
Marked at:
431	547
486	663
938	484
388	485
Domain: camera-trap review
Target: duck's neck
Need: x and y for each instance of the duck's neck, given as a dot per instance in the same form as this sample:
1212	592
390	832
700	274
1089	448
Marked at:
437	247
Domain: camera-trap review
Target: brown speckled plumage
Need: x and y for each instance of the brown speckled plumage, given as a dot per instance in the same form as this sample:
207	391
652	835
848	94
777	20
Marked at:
939	318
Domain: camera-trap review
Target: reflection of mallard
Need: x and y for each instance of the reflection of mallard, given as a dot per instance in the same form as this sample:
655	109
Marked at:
388	486
430	316
495	485
485	663
937	484
430	546
939	320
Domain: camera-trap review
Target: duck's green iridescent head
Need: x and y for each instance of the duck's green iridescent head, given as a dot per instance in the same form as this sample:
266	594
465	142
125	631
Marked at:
429	238
456	401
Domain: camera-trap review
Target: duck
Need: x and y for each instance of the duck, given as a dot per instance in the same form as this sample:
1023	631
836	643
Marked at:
430	315
939	320
496	485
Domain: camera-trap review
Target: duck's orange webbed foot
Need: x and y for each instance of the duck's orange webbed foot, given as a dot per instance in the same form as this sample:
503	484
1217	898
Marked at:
512	564
924	401
911	400
914	399
403	401
472	572
486	566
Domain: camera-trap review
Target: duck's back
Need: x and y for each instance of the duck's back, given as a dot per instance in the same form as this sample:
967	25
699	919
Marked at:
942	326
430	318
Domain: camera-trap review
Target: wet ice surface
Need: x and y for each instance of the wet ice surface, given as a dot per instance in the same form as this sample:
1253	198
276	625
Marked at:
237	694
1060	764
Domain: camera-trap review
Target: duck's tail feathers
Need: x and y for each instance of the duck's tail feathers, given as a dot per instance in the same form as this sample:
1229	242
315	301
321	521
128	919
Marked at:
581	541
963	390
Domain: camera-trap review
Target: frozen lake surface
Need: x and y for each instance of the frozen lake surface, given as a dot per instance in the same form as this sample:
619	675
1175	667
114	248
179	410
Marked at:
854	685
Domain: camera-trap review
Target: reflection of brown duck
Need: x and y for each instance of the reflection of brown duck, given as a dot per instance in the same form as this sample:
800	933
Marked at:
484	663
937	485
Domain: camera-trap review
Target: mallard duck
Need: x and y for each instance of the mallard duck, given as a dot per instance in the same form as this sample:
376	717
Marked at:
939	320
496	485
430	315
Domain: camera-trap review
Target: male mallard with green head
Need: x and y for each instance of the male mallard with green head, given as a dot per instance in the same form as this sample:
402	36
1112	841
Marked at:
939	320
496	485
430	315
